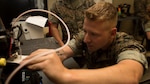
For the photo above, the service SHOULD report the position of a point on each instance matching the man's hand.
(50, 62)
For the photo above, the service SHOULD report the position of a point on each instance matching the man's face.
(96, 35)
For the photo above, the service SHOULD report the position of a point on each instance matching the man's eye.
(85, 31)
(93, 34)
(96, 35)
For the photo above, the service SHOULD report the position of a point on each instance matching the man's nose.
(86, 38)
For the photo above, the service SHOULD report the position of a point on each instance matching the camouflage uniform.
(140, 9)
(123, 47)
(71, 13)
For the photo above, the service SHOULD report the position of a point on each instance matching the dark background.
(10, 9)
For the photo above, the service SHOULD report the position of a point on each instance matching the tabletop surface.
(29, 46)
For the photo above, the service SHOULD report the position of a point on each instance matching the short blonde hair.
(102, 11)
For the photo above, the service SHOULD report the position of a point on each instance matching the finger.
(35, 60)
(37, 66)
(35, 53)
(45, 62)
(39, 51)
(40, 63)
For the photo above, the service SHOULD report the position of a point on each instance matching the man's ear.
(113, 31)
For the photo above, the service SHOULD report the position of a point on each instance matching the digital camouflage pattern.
(71, 13)
(142, 8)
(123, 43)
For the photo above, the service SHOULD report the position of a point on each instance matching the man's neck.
(108, 44)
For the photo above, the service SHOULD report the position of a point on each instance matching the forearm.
(117, 74)
(56, 34)
(65, 53)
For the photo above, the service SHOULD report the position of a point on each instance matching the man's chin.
(91, 50)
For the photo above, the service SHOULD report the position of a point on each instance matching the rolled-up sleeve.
(76, 44)
(133, 55)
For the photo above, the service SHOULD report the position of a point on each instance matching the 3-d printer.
(9, 51)
(9, 46)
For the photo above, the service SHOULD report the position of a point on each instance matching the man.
(142, 9)
(111, 57)
(72, 12)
